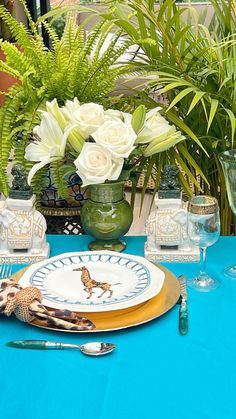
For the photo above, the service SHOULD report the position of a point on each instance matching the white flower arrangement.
(106, 144)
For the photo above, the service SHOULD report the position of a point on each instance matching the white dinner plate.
(109, 281)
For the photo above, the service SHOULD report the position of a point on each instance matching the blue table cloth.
(154, 373)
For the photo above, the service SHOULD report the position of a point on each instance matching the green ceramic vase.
(107, 216)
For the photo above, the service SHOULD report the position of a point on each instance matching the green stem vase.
(107, 216)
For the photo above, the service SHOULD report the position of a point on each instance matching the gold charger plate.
(128, 317)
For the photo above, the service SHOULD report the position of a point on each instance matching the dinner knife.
(183, 310)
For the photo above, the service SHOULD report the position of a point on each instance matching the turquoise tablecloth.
(154, 373)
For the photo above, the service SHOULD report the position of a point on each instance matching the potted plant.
(106, 147)
(192, 65)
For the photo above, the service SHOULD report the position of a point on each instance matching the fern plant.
(73, 67)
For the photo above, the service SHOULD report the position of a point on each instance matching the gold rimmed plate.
(129, 317)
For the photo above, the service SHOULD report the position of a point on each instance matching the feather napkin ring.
(25, 303)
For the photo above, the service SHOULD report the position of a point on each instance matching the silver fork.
(5, 270)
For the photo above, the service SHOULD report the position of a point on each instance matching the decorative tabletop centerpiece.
(106, 147)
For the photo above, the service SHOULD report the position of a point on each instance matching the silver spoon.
(91, 348)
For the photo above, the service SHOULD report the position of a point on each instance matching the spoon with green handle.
(91, 348)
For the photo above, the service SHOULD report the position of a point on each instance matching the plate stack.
(114, 291)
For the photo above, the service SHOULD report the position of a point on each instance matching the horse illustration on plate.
(90, 283)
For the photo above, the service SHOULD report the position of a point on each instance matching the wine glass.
(228, 162)
(203, 231)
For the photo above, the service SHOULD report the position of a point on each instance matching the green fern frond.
(31, 23)
(59, 179)
(19, 32)
(37, 182)
(52, 34)
(16, 63)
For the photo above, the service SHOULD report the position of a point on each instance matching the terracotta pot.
(6, 80)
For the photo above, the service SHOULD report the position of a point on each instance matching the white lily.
(50, 146)
(164, 142)
(155, 125)
(54, 110)
(62, 116)
(70, 108)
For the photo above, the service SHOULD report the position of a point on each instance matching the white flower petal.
(116, 137)
(117, 167)
(94, 164)
(38, 166)
(33, 152)
(49, 129)
(154, 126)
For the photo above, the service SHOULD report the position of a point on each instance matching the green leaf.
(196, 98)
(129, 28)
(185, 184)
(177, 121)
(180, 96)
(214, 106)
(170, 86)
(204, 108)
(233, 124)
(183, 150)
(185, 168)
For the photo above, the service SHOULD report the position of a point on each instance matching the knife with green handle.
(183, 310)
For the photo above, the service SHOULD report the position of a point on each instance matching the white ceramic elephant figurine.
(166, 225)
(6, 216)
(167, 233)
(22, 229)
(181, 217)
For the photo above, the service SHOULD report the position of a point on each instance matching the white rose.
(113, 114)
(155, 125)
(95, 165)
(89, 117)
(117, 137)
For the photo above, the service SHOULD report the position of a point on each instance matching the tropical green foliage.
(5, 33)
(73, 67)
(193, 65)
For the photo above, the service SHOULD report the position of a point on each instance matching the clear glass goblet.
(228, 162)
(204, 231)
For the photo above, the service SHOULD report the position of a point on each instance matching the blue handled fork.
(5, 271)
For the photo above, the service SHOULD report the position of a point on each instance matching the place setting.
(113, 291)
(91, 292)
